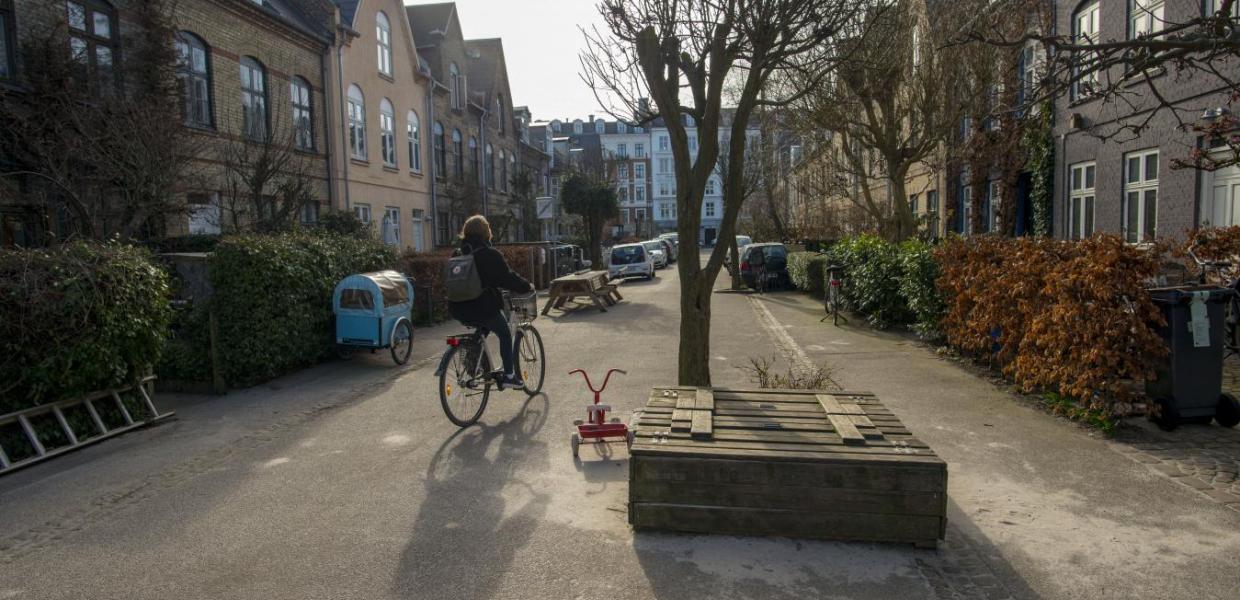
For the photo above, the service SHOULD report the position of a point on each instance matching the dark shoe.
(511, 382)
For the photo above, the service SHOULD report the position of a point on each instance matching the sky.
(542, 44)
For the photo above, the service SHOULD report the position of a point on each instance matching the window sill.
(386, 77)
(417, 174)
(359, 161)
(307, 151)
(391, 169)
(1135, 78)
(203, 129)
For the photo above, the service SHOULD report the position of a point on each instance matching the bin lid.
(1185, 293)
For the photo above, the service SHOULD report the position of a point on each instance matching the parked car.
(775, 256)
(742, 241)
(669, 248)
(658, 254)
(630, 260)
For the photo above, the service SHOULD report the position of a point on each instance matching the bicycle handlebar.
(605, 379)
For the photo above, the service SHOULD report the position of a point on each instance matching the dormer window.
(383, 36)
(600, 126)
(454, 82)
(577, 126)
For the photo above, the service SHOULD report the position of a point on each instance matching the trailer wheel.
(1228, 412)
(575, 442)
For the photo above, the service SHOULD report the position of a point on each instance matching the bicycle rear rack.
(36, 450)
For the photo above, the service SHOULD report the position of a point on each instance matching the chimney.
(591, 120)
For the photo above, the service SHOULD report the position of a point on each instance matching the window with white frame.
(577, 126)
(458, 154)
(193, 69)
(622, 150)
(303, 114)
(310, 212)
(203, 212)
(639, 193)
(665, 189)
(966, 201)
(663, 143)
(92, 35)
(443, 229)
(1141, 196)
(693, 143)
(503, 170)
(1081, 200)
(473, 158)
(710, 186)
(1031, 65)
(391, 226)
(419, 224)
(622, 172)
(363, 212)
(623, 194)
(490, 167)
(600, 126)
(621, 127)
(1085, 24)
(932, 210)
(439, 148)
(639, 215)
(413, 129)
(253, 99)
(709, 208)
(1145, 17)
(639, 151)
(912, 203)
(665, 165)
(383, 37)
(387, 132)
(665, 211)
(357, 123)
(639, 171)
(994, 199)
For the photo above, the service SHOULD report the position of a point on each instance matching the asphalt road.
(346, 481)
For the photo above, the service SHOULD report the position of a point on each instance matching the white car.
(658, 252)
(630, 260)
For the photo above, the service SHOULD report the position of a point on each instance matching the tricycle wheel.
(1228, 412)
(575, 442)
(1168, 416)
(629, 436)
(344, 352)
(402, 341)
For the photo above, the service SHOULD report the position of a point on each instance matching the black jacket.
(495, 275)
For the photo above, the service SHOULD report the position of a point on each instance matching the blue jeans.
(497, 325)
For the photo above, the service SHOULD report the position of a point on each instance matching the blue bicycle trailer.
(374, 311)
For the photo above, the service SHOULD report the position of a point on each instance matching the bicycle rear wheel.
(462, 400)
(531, 359)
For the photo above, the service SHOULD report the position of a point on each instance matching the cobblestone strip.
(958, 571)
(22, 543)
(1206, 461)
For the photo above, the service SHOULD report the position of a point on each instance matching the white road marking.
(779, 335)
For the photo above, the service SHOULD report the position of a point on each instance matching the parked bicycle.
(833, 298)
(1231, 311)
(466, 373)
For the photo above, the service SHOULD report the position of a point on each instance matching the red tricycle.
(596, 426)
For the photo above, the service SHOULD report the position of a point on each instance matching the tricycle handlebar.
(605, 379)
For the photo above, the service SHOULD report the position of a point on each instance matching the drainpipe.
(344, 127)
(430, 165)
(482, 134)
(327, 130)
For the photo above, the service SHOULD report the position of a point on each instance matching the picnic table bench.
(591, 284)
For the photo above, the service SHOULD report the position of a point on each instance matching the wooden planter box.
(830, 465)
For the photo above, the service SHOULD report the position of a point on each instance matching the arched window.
(357, 123)
(599, 126)
(441, 155)
(555, 126)
(473, 157)
(490, 167)
(577, 126)
(414, 129)
(92, 35)
(503, 170)
(303, 113)
(253, 99)
(499, 112)
(458, 153)
(383, 36)
(454, 80)
(387, 132)
(194, 72)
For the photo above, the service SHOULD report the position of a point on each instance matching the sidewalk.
(1066, 510)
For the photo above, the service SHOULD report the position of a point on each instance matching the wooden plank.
(799, 497)
(672, 445)
(705, 399)
(686, 401)
(701, 426)
(682, 419)
(847, 430)
(790, 440)
(913, 529)
(832, 406)
(922, 476)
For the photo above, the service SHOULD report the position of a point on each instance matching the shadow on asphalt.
(690, 566)
(476, 511)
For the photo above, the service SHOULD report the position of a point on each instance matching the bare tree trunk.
(737, 282)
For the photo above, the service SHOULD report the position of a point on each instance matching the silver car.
(657, 251)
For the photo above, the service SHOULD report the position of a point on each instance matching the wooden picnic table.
(591, 284)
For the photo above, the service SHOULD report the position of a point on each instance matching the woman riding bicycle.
(486, 311)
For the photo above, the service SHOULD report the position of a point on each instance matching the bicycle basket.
(524, 307)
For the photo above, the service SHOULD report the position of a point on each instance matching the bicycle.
(465, 371)
(1231, 312)
(833, 299)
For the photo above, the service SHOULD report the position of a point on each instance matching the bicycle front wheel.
(531, 359)
(462, 394)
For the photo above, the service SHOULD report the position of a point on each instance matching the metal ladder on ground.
(101, 431)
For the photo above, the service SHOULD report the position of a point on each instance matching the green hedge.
(872, 274)
(918, 273)
(273, 294)
(807, 272)
(77, 318)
